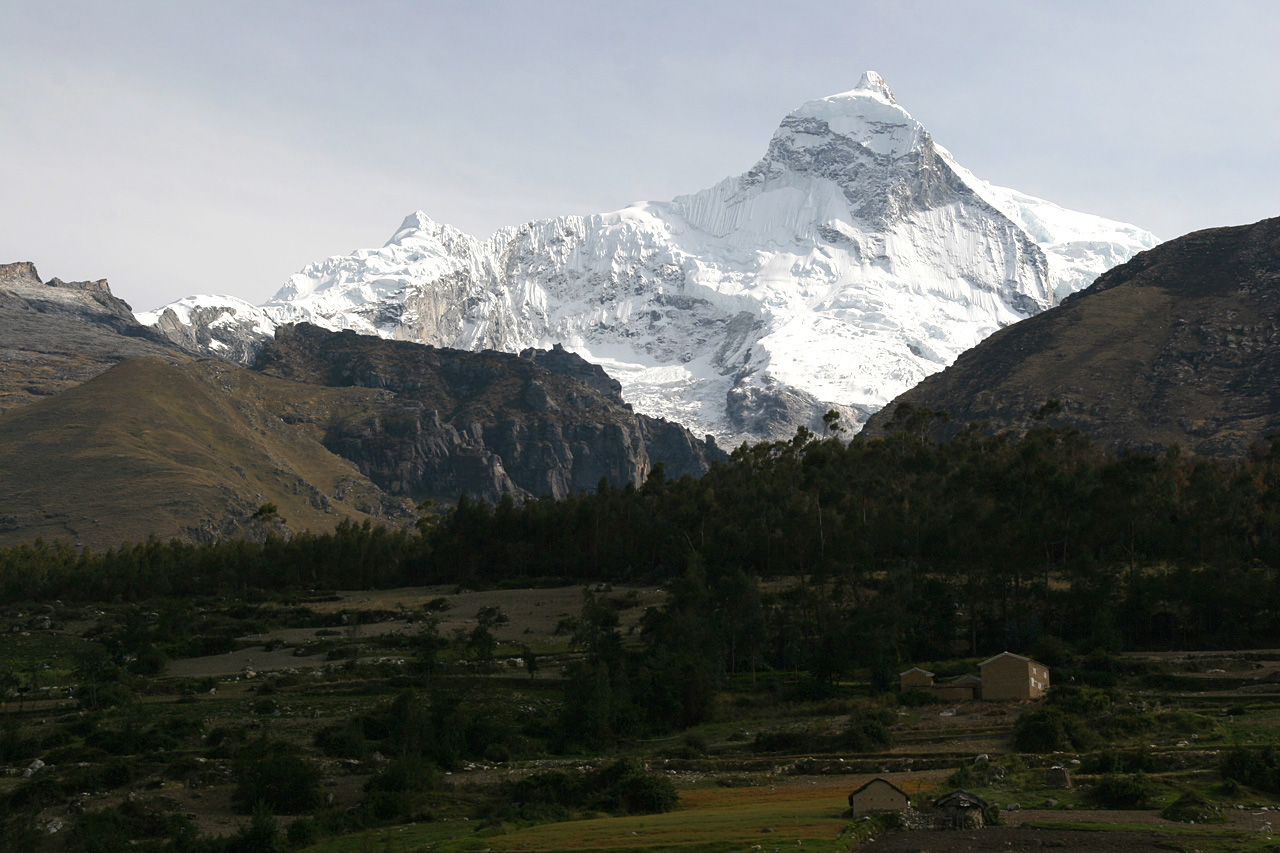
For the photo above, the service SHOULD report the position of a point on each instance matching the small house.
(915, 679)
(960, 810)
(878, 795)
(961, 687)
(1010, 676)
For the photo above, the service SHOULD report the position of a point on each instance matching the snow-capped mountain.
(856, 258)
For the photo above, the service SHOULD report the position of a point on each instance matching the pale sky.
(217, 147)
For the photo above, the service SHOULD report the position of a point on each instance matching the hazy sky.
(216, 147)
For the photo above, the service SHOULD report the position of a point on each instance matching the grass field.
(804, 813)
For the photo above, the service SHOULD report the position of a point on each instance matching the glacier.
(854, 259)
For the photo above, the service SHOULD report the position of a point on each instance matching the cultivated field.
(767, 773)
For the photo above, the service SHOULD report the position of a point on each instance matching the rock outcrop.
(485, 423)
(58, 334)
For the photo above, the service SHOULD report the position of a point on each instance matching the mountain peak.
(416, 221)
(873, 82)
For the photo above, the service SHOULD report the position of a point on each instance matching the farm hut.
(879, 795)
(960, 810)
(915, 679)
(1010, 676)
(962, 687)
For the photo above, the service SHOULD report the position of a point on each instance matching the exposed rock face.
(1179, 346)
(211, 329)
(486, 423)
(58, 334)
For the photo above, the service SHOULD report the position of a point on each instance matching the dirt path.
(1005, 838)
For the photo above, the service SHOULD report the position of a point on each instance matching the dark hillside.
(485, 423)
(1181, 345)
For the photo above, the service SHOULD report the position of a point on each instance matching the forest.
(907, 548)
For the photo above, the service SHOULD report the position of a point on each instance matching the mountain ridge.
(855, 258)
(1179, 346)
(115, 434)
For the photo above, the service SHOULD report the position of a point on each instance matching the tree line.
(904, 548)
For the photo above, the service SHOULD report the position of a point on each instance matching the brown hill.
(1179, 346)
(190, 450)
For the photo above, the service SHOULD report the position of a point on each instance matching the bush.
(343, 740)
(621, 787)
(867, 731)
(303, 832)
(1193, 808)
(697, 743)
(1083, 701)
(646, 794)
(260, 835)
(1258, 769)
(15, 746)
(1051, 651)
(274, 773)
(1123, 792)
(1051, 730)
(1110, 761)
(915, 698)
(409, 775)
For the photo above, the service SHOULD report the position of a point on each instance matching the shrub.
(1256, 768)
(915, 698)
(15, 746)
(1110, 761)
(785, 741)
(1051, 651)
(274, 773)
(260, 835)
(303, 832)
(1084, 701)
(1192, 808)
(408, 775)
(647, 794)
(697, 743)
(343, 740)
(1051, 730)
(620, 787)
(867, 731)
(1123, 792)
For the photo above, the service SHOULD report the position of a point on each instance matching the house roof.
(964, 681)
(882, 781)
(915, 669)
(961, 798)
(1011, 655)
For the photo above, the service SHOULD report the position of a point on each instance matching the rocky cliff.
(485, 423)
(57, 334)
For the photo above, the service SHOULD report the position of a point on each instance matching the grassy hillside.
(193, 450)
